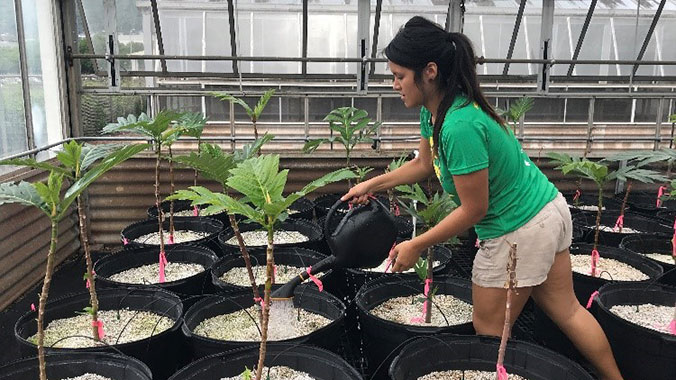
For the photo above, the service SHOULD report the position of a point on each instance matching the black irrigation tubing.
(433, 303)
(152, 333)
(651, 284)
(606, 272)
(86, 337)
(243, 309)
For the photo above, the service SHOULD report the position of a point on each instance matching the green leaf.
(335, 176)
(23, 193)
(70, 155)
(520, 107)
(259, 179)
(211, 161)
(262, 102)
(312, 145)
(420, 268)
(250, 150)
(31, 163)
(92, 175)
(229, 98)
(92, 153)
(192, 124)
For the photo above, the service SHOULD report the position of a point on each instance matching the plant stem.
(199, 150)
(43, 297)
(255, 128)
(624, 201)
(430, 277)
(511, 284)
(84, 239)
(247, 262)
(171, 191)
(598, 218)
(266, 305)
(160, 213)
(347, 165)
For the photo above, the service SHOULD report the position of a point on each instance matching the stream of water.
(283, 322)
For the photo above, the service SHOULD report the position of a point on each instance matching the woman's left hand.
(406, 254)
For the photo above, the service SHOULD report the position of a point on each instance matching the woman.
(499, 191)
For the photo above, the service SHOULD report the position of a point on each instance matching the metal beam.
(305, 35)
(583, 33)
(515, 33)
(455, 16)
(546, 33)
(158, 33)
(363, 21)
(110, 15)
(73, 72)
(376, 34)
(25, 85)
(649, 35)
(233, 35)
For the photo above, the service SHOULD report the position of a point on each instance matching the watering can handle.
(329, 215)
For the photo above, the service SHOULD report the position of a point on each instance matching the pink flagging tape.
(32, 307)
(591, 299)
(397, 212)
(502, 372)
(88, 284)
(259, 299)
(619, 223)
(125, 241)
(99, 325)
(314, 279)
(163, 263)
(660, 193)
(389, 264)
(171, 239)
(417, 320)
(577, 195)
(195, 211)
(389, 259)
(477, 243)
(594, 262)
(672, 327)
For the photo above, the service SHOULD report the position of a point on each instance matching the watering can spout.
(362, 239)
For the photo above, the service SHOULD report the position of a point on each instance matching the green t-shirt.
(470, 141)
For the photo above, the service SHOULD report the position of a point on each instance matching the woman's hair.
(420, 42)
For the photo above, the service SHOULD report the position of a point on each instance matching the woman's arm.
(414, 171)
(473, 193)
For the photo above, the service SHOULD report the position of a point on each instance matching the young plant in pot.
(261, 183)
(163, 130)
(50, 198)
(352, 127)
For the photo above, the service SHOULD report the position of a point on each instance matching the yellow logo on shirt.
(435, 159)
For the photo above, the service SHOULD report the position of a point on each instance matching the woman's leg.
(489, 308)
(556, 297)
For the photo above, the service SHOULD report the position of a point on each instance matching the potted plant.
(49, 198)
(261, 183)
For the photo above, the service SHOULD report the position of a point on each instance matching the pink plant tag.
(591, 299)
(88, 284)
(163, 263)
(314, 279)
(672, 327)
(660, 193)
(171, 239)
(619, 224)
(502, 372)
(426, 292)
(397, 212)
(577, 195)
(594, 262)
(32, 307)
(99, 325)
(477, 243)
(195, 211)
(125, 241)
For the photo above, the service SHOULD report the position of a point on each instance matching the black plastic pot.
(297, 257)
(667, 217)
(447, 352)
(181, 205)
(646, 203)
(186, 288)
(653, 244)
(304, 208)
(641, 353)
(318, 363)
(591, 198)
(382, 338)
(202, 224)
(324, 202)
(306, 297)
(305, 227)
(161, 352)
(62, 366)
(646, 226)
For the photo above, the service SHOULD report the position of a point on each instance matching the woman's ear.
(431, 71)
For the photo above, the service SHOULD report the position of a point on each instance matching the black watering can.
(362, 239)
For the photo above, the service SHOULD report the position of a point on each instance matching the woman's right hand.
(358, 194)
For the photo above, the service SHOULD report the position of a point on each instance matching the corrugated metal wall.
(24, 242)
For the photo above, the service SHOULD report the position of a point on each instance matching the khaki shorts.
(548, 232)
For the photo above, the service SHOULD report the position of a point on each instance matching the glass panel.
(646, 110)
(577, 110)
(12, 120)
(544, 109)
(97, 110)
(218, 25)
(181, 103)
(182, 35)
(217, 110)
(320, 107)
(270, 113)
(292, 109)
(129, 32)
(609, 110)
(370, 105)
(395, 110)
(342, 41)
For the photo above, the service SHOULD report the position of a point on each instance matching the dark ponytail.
(420, 42)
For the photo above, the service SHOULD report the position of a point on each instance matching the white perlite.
(150, 274)
(625, 230)
(131, 326)
(260, 238)
(180, 236)
(88, 376)
(616, 270)
(403, 309)
(662, 257)
(240, 277)
(240, 327)
(278, 373)
(654, 317)
(381, 268)
(188, 212)
(587, 208)
(465, 375)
